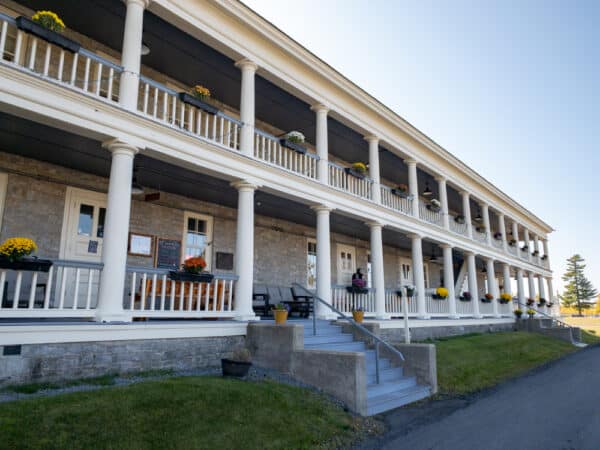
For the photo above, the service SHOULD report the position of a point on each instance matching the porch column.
(449, 279)
(492, 286)
(413, 185)
(322, 143)
(545, 244)
(374, 166)
(485, 211)
(244, 250)
(527, 243)
(377, 269)
(248, 69)
(472, 281)
(417, 259)
(551, 295)
(467, 213)
(116, 230)
(521, 290)
(531, 281)
(131, 53)
(515, 232)
(536, 247)
(542, 288)
(502, 230)
(444, 201)
(506, 278)
(323, 261)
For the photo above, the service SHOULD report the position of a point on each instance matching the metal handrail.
(564, 324)
(352, 322)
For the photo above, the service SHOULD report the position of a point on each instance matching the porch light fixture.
(145, 49)
(136, 188)
(427, 192)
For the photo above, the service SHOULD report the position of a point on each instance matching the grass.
(32, 388)
(470, 363)
(179, 413)
(590, 328)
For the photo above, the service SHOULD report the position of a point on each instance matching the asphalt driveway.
(557, 407)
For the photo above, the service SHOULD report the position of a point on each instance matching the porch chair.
(260, 299)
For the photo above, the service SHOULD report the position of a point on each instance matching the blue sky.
(511, 88)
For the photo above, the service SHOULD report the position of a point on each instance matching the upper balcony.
(177, 61)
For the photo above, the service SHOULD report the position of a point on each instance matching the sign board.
(168, 254)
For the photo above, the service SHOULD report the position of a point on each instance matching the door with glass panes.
(197, 237)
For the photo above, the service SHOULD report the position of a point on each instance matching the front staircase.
(394, 389)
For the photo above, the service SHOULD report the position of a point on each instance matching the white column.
(531, 281)
(521, 290)
(502, 230)
(551, 296)
(472, 281)
(515, 231)
(417, 260)
(536, 247)
(377, 270)
(323, 261)
(444, 201)
(413, 185)
(449, 279)
(322, 144)
(247, 109)
(131, 53)
(545, 244)
(506, 278)
(374, 166)
(467, 213)
(527, 243)
(116, 231)
(492, 286)
(244, 250)
(542, 287)
(485, 212)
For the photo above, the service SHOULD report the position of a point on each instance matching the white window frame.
(308, 285)
(209, 235)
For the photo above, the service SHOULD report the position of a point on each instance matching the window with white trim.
(197, 237)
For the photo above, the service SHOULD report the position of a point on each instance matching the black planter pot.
(400, 193)
(438, 297)
(485, 300)
(238, 369)
(30, 263)
(503, 302)
(433, 208)
(200, 104)
(203, 277)
(355, 173)
(356, 290)
(28, 25)
(298, 148)
(462, 299)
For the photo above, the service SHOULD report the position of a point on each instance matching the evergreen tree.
(578, 289)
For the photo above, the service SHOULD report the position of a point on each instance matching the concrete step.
(390, 387)
(338, 347)
(327, 338)
(388, 374)
(385, 402)
(384, 363)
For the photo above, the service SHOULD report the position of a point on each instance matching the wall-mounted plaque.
(224, 261)
(168, 254)
(140, 244)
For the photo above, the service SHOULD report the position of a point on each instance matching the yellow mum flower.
(442, 292)
(200, 91)
(49, 20)
(15, 248)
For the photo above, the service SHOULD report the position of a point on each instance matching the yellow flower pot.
(280, 316)
(358, 316)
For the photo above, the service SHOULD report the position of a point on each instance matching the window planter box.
(409, 293)
(298, 148)
(502, 301)
(200, 104)
(498, 236)
(463, 299)
(438, 297)
(28, 25)
(400, 193)
(203, 277)
(356, 290)
(237, 369)
(433, 208)
(460, 219)
(31, 264)
(355, 173)
(486, 300)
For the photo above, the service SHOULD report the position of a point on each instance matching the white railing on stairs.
(267, 148)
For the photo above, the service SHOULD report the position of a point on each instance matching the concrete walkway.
(554, 408)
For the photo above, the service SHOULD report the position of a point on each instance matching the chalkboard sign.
(168, 254)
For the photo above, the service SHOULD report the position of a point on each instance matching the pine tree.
(578, 289)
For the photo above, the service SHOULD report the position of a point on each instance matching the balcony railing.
(479, 236)
(394, 201)
(458, 228)
(345, 301)
(464, 308)
(268, 149)
(339, 178)
(497, 243)
(429, 215)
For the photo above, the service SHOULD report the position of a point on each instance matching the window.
(86, 220)
(197, 237)
(311, 264)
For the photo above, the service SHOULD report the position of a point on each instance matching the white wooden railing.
(391, 200)
(486, 309)
(268, 149)
(82, 71)
(506, 309)
(512, 250)
(68, 289)
(153, 294)
(346, 301)
(339, 179)
(497, 243)
(458, 228)
(480, 236)
(393, 303)
(464, 308)
(437, 307)
(428, 215)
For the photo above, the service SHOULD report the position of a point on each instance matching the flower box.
(544, 257)
(502, 301)
(400, 193)
(355, 173)
(433, 208)
(298, 148)
(28, 263)
(28, 25)
(203, 277)
(498, 236)
(438, 297)
(524, 248)
(200, 104)
(356, 290)
(460, 219)
(486, 300)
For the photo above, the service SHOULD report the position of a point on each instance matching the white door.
(197, 237)
(346, 263)
(406, 275)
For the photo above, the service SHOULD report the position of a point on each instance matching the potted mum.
(280, 312)
(505, 297)
(525, 248)
(441, 293)
(487, 298)
(192, 269)
(199, 97)
(401, 191)
(530, 302)
(358, 286)
(518, 313)
(410, 292)
(239, 364)
(460, 219)
(544, 257)
(47, 26)
(358, 170)
(465, 297)
(535, 253)
(512, 242)
(434, 205)
(294, 140)
(531, 313)
(14, 254)
(358, 314)
(541, 302)
(498, 236)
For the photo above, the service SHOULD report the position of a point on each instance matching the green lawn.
(590, 328)
(473, 362)
(179, 413)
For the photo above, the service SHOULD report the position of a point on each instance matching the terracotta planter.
(358, 316)
(280, 316)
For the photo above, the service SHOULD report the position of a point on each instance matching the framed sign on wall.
(168, 254)
(140, 244)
